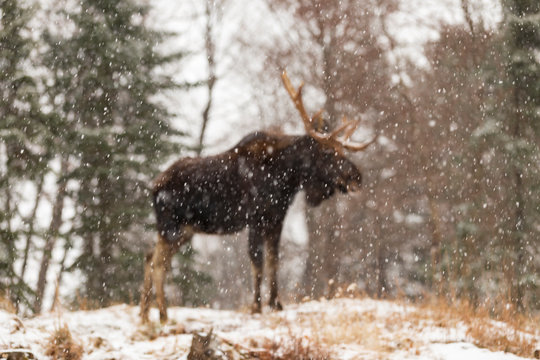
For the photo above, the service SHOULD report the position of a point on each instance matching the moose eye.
(329, 152)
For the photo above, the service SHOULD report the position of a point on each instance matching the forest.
(99, 96)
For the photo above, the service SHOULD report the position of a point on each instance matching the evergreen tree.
(23, 132)
(195, 287)
(115, 135)
(522, 40)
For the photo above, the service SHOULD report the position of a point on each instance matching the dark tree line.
(90, 122)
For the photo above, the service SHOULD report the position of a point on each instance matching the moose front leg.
(272, 261)
(256, 256)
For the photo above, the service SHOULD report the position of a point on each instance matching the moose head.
(327, 168)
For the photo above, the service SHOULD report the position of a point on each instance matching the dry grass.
(299, 349)
(515, 333)
(487, 327)
(320, 332)
(6, 304)
(294, 347)
(288, 346)
(496, 329)
(361, 329)
(62, 346)
(486, 336)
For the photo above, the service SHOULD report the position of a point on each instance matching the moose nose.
(353, 187)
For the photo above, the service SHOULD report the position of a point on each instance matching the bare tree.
(52, 235)
(212, 15)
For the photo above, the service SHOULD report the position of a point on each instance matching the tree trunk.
(210, 56)
(380, 271)
(10, 246)
(323, 223)
(52, 235)
(31, 223)
(324, 247)
(59, 279)
(436, 241)
(106, 238)
(312, 281)
(515, 248)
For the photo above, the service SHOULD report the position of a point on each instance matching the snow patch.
(384, 329)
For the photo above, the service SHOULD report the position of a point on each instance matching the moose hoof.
(144, 315)
(275, 305)
(163, 318)
(256, 308)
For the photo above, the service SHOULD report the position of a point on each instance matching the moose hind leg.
(146, 292)
(161, 263)
(256, 257)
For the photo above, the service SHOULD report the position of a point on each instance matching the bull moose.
(250, 185)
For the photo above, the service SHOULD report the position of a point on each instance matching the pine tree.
(522, 40)
(116, 136)
(23, 134)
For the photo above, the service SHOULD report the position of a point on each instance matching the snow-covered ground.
(335, 329)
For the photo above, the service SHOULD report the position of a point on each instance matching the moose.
(249, 186)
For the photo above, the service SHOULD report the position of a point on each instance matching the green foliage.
(489, 83)
(522, 41)
(196, 286)
(116, 135)
(22, 136)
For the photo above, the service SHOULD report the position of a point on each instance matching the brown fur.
(250, 185)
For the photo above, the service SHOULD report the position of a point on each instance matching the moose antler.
(334, 139)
